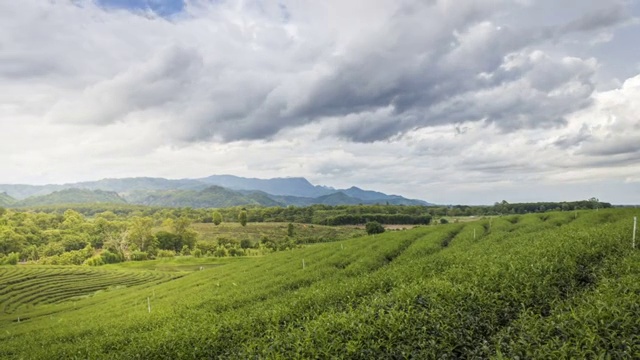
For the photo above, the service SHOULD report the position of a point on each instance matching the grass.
(530, 286)
(304, 233)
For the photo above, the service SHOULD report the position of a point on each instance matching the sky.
(448, 101)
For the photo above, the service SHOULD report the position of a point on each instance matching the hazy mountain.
(212, 191)
(20, 191)
(72, 196)
(6, 200)
(127, 185)
(121, 186)
(293, 186)
(369, 196)
(338, 198)
(211, 197)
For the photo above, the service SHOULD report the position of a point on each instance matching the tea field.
(551, 285)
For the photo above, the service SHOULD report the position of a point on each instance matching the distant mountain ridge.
(212, 191)
(72, 196)
(6, 200)
(293, 186)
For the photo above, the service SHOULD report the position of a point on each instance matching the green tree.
(10, 241)
(245, 243)
(374, 227)
(140, 232)
(290, 230)
(169, 241)
(72, 219)
(243, 218)
(217, 218)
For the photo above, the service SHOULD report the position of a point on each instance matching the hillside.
(553, 285)
(211, 197)
(6, 200)
(73, 196)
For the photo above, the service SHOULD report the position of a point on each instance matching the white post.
(303, 265)
(474, 234)
(149, 305)
(635, 223)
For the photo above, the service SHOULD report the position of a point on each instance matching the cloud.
(234, 71)
(614, 13)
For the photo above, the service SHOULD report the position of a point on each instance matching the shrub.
(166, 253)
(11, 259)
(109, 257)
(221, 252)
(374, 227)
(139, 256)
(236, 252)
(94, 261)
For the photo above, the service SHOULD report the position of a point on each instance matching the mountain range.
(212, 191)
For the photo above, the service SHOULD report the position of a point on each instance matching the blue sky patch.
(160, 7)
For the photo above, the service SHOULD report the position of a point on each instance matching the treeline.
(504, 208)
(72, 239)
(327, 214)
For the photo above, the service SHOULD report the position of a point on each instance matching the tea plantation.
(547, 286)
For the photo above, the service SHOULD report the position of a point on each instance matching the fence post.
(635, 223)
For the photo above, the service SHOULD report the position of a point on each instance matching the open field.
(552, 285)
(304, 233)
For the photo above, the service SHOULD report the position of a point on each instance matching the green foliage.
(221, 252)
(168, 241)
(166, 254)
(197, 253)
(11, 241)
(242, 218)
(290, 229)
(109, 257)
(245, 243)
(217, 218)
(444, 221)
(138, 256)
(11, 259)
(374, 227)
(140, 232)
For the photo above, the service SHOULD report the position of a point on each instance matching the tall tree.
(243, 218)
(140, 232)
(217, 218)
